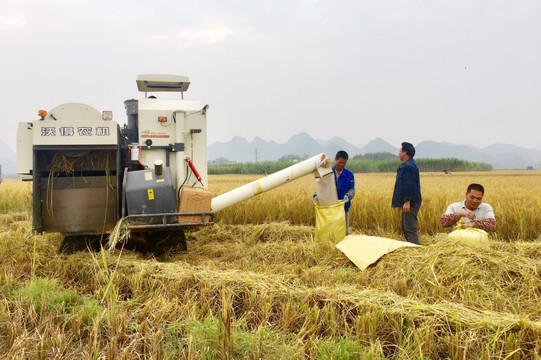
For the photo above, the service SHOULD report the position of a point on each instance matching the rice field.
(258, 286)
(514, 195)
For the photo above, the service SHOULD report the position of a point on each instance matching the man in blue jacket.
(345, 182)
(407, 192)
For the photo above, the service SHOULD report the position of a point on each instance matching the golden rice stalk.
(119, 235)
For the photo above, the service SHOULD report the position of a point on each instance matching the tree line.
(368, 163)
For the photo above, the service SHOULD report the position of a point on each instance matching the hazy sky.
(462, 71)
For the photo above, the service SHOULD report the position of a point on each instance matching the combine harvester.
(88, 172)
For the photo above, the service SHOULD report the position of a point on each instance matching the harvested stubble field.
(257, 285)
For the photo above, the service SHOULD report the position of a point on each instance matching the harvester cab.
(91, 175)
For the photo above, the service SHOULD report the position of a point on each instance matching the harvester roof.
(161, 82)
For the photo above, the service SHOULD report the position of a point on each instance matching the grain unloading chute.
(89, 173)
(320, 165)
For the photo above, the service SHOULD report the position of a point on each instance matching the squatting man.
(475, 213)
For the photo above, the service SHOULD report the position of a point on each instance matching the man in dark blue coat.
(407, 192)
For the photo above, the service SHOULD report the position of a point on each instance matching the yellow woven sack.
(470, 236)
(330, 222)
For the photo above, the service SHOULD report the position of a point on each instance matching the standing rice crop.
(514, 195)
(15, 196)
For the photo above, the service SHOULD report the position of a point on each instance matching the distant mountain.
(499, 149)
(519, 157)
(500, 156)
(300, 144)
(435, 150)
(240, 150)
(379, 145)
(236, 149)
(336, 143)
(7, 159)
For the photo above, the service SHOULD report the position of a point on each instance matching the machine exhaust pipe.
(158, 167)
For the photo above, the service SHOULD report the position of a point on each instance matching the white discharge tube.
(319, 165)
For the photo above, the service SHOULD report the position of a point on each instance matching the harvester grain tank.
(89, 173)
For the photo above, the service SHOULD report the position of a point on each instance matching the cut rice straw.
(119, 235)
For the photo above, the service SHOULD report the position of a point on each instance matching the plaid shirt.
(484, 216)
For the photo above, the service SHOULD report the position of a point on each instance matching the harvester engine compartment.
(149, 192)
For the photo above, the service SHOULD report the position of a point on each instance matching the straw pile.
(443, 300)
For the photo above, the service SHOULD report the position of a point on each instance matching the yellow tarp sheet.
(364, 250)
(330, 222)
